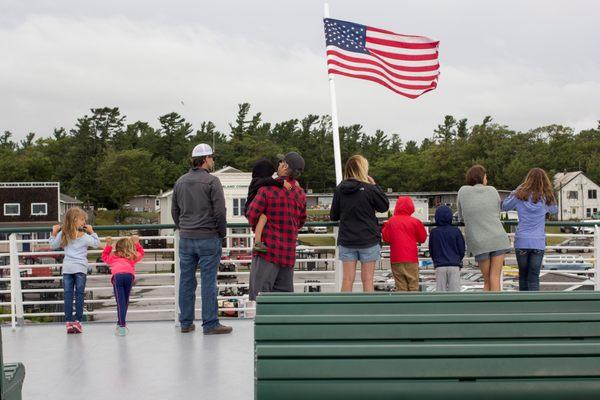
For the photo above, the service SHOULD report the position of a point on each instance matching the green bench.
(427, 346)
(11, 379)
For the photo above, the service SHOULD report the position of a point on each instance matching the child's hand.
(136, 239)
(108, 241)
(287, 185)
(55, 229)
(88, 228)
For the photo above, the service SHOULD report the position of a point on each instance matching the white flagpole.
(337, 157)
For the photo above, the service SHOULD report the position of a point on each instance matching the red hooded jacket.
(403, 232)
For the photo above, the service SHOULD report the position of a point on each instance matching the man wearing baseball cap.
(285, 210)
(198, 211)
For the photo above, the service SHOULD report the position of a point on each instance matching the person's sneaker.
(260, 247)
(186, 329)
(77, 328)
(219, 330)
(70, 327)
(121, 331)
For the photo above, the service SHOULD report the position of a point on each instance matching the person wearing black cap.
(285, 210)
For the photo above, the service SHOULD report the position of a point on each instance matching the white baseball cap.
(202, 149)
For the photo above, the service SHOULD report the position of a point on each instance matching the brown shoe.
(219, 330)
(186, 329)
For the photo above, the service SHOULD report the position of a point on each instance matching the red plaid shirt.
(286, 213)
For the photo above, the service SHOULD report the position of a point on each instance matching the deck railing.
(31, 280)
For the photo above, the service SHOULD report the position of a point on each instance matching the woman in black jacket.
(355, 202)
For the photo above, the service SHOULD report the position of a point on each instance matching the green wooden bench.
(11, 379)
(426, 346)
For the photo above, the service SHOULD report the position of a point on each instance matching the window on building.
(238, 207)
(12, 209)
(39, 208)
(592, 194)
(43, 235)
(588, 212)
(573, 210)
(572, 194)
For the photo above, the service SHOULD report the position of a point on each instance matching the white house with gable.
(577, 196)
(235, 188)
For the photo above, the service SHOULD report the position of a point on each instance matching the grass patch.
(317, 212)
(554, 240)
(317, 241)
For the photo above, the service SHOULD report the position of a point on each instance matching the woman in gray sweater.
(479, 209)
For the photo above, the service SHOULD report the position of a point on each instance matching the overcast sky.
(526, 63)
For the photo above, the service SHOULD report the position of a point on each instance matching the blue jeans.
(207, 254)
(74, 284)
(122, 286)
(530, 263)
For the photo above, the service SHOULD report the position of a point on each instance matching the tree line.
(105, 161)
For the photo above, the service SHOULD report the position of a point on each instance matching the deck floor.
(155, 361)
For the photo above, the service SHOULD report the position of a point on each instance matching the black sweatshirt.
(354, 205)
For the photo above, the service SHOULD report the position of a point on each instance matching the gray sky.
(526, 63)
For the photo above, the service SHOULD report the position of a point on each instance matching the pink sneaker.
(70, 327)
(77, 328)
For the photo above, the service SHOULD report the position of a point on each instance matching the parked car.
(102, 268)
(384, 283)
(575, 241)
(43, 252)
(319, 229)
(568, 229)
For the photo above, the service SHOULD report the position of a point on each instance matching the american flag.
(407, 65)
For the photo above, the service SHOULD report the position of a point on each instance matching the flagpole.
(337, 157)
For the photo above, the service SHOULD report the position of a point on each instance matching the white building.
(235, 188)
(577, 196)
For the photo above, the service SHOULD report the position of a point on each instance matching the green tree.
(127, 173)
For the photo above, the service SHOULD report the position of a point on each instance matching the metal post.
(16, 295)
(597, 258)
(334, 122)
(337, 263)
(176, 271)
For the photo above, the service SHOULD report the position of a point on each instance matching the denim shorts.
(365, 254)
(487, 256)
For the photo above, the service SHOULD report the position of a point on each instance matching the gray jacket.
(479, 209)
(198, 207)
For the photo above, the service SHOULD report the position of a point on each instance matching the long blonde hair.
(536, 186)
(125, 248)
(69, 228)
(357, 167)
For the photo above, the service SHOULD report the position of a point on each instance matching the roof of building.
(229, 170)
(29, 184)
(561, 179)
(65, 198)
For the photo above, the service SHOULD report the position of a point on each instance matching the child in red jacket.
(128, 252)
(403, 232)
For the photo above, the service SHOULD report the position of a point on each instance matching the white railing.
(34, 291)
